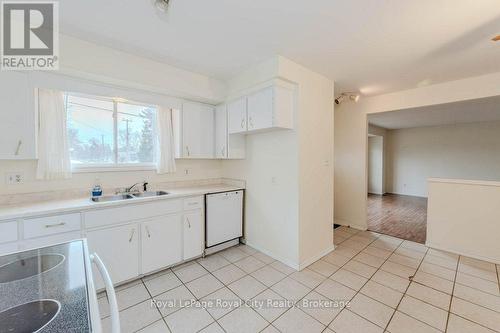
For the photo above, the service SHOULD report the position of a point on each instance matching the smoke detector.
(161, 5)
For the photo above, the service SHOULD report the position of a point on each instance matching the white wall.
(90, 68)
(289, 173)
(463, 216)
(376, 165)
(462, 151)
(351, 172)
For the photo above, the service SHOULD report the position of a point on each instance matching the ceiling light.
(161, 5)
(351, 96)
(496, 38)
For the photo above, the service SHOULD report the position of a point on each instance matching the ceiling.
(471, 111)
(371, 46)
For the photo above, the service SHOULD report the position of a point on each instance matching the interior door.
(260, 109)
(118, 247)
(198, 130)
(237, 115)
(161, 242)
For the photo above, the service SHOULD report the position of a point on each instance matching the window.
(105, 132)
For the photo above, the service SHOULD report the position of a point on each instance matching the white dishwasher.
(224, 217)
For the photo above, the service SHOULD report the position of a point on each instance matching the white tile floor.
(389, 285)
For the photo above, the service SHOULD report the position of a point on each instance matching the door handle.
(189, 223)
(131, 236)
(147, 231)
(242, 123)
(223, 151)
(18, 147)
(55, 225)
(187, 150)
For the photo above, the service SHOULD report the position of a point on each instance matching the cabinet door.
(197, 130)
(260, 109)
(118, 247)
(193, 234)
(161, 242)
(237, 115)
(17, 114)
(221, 131)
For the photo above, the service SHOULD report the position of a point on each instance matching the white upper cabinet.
(221, 131)
(227, 146)
(268, 108)
(237, 115)
(260, 109)
(196, 126)
(17, 114)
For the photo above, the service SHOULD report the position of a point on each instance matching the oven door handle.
(110, 291)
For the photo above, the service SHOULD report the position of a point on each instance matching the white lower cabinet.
(118, 247)
(161, 242)
(193, 234)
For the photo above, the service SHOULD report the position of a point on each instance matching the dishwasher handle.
(110, 291)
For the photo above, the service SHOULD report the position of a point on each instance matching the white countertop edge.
(15, 212)
(464, 181)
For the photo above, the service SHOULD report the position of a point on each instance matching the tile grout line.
(404, 293)
(452, 293)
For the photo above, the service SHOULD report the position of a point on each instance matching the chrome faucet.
(144, 187)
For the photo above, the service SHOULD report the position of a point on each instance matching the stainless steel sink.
(108, 198)
(149, 194)
(29, 317)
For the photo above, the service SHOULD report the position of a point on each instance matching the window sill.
(113, 168)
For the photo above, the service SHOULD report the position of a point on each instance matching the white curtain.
(166, 147)
(53, 151)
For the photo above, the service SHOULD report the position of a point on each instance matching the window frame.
(113, 167)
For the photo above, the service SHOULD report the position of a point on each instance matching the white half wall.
(461, 151)
(463, 216)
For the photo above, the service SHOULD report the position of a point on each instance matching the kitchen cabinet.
(267, 108)
(8, 232)
(196, 126)
(237, 115)
(161, 242)
(17, 112)
(227, 146)
(118, 247)
(193, 234)
(260, 109)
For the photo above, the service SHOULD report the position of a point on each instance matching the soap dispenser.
(97, 190)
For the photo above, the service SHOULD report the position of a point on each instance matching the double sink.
(128, 196)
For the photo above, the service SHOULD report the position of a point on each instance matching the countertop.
(13, 212)
(65, 283)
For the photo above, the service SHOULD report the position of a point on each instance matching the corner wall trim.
(315, 258)
(287, 262)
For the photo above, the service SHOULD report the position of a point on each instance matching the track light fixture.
(161, 5)
(347, 96)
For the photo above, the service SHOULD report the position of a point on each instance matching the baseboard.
(408, 195)
(461, 252)
(287, 262)
(315, 258)
(346, 223)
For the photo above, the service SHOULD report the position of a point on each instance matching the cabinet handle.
(187, 150)
(147, 231)
(18, 147)
(131, 236)
(242, 123)
(189, 223)
(250, 122)
(55, 225)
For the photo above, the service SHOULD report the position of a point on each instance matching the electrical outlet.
(187, 171)
(14, 178)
